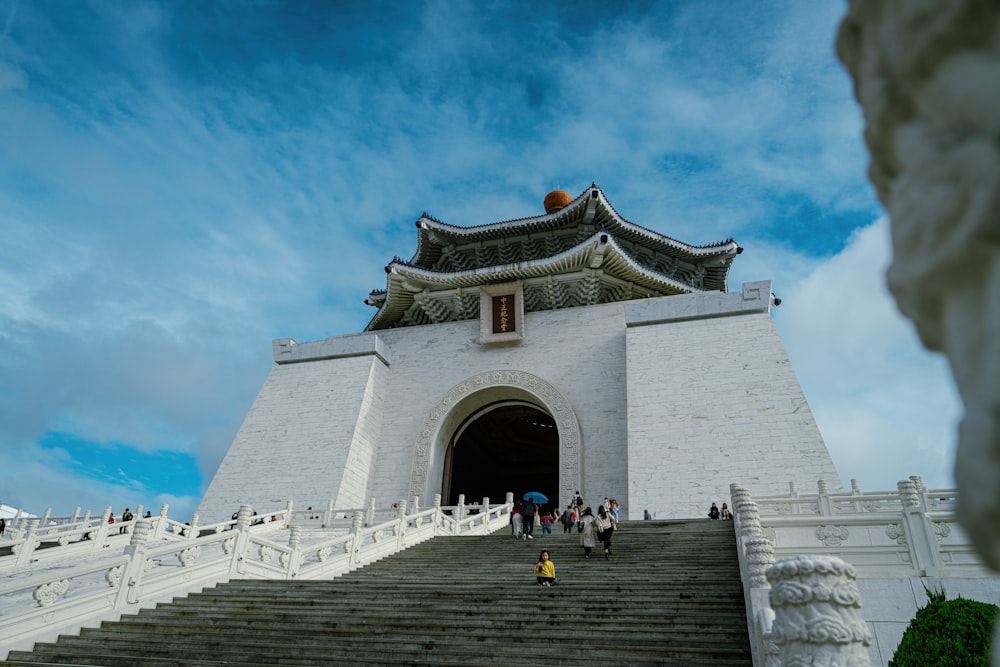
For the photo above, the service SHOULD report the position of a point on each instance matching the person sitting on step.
(545, 569)
(725, 513)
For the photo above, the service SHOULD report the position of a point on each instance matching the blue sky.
(181, 182)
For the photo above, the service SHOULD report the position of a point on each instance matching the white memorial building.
(564, 352)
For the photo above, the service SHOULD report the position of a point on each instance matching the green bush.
(947, 633)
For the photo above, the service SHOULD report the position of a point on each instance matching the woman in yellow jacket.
(545, 569)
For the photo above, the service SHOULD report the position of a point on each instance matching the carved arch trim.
(430, 440)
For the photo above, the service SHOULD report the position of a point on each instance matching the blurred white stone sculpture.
(817, 613)
(927, 75)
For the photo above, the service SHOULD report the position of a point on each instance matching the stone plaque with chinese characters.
(501, 312)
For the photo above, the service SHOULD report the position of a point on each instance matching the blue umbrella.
(536, 497)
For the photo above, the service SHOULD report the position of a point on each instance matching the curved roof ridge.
(565, 254)
(652, 234)
(598, 238)
(500, 223)
(645, 270)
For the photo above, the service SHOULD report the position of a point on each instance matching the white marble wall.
(306, 424)
(713, 397)
(695, 388)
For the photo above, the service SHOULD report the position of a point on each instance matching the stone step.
(511, 651)
(364, 634)
(679, 627)
(670, 595)
(724, 624)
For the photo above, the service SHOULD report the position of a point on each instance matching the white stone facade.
(660, 403)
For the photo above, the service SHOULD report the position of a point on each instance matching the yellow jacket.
(546, 569)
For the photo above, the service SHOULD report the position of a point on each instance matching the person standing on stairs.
(568, 519)
(545, 569)
(586, 527)
(547, 522)
(528, 518)
(605, 526)
(516, 521)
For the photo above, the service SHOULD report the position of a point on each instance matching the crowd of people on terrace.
(592, 528)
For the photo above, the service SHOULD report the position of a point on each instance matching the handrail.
(885, 535)
(158, 562)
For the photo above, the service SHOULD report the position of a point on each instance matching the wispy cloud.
(182, 182)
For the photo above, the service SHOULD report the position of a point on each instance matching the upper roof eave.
(427, 224)
(572, 259)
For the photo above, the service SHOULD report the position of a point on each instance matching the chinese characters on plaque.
(503, 313)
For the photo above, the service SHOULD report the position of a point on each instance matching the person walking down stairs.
(516, 521)
(605, 526)
(528, 518)
(587, 531)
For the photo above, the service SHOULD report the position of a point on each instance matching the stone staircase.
(669, 595)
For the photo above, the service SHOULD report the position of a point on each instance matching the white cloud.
(887, 407)
(169, 208)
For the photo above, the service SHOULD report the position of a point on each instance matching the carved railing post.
(817, 613)
(101, 534)
(242, 539)
(357, 524)
(89, 532)
(793, 492)
(401, 524)
(823, 499)
(289, 507)
(438, 515)
(17, 526)
(460, 510)
(918, 483)
(28, 546)
(756, 554)
(485, 514)
(370, 520)
(131, 579)
(858, 505)
(160, 523)
(328, 516)
(191, 531)
(918, 532)
(760, 556)
(76, 515)
(295, 557)
(416, 510)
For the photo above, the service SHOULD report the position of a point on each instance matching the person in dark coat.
(528, 518)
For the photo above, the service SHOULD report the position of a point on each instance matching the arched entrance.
(506, 446)
(475, 397)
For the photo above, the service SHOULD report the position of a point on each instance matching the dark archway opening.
(512, 447)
